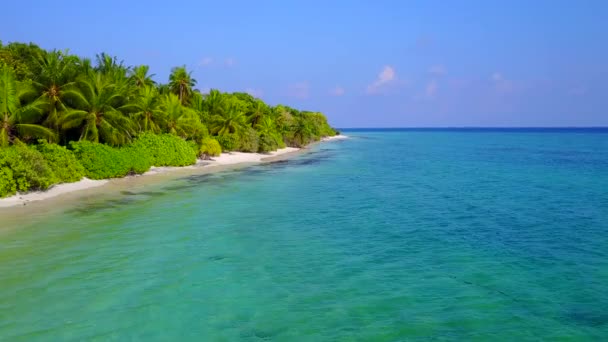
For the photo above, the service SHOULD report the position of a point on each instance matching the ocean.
(390, 235)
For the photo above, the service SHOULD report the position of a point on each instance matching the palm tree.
(139, 76)
(58, 70)
(146, 110)
(199, 105)
(18, 119)
(214, 104)
(266, 127)
(301, 132)
(180, 120)
(96, 115)
(116, 72)
(233, 120)
(107, 64)
(181, 83)
(257, 111)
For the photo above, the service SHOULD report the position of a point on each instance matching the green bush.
(210, 148)
(62, 161)
(101, 161)
(228, 142)
(248, 141)
(166, 149)
(138, 159)
(267, 144)
(29, 169)
(8, 186)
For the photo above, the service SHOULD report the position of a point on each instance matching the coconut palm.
(97, 100)
(18, 119)
(215, 102)
(107, 64)
(180, 120)
(181, 83)
(258, 110)
(301, 132)
(139, 76)
(233, 120)
(199, 105)
(57, 72)
(266, 127)
(145, 110)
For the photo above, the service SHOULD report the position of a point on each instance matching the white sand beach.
(241, 157)
(215, 163)
(335, 137)
(55, 190)
(225, 159)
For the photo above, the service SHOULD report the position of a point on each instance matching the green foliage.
(228, 141)
(29, 169)
(210, 148)
(181, 83)
(21, 58)
(270, 138)
(248, 141)
(101, 161)
(62, 162)
(92, 106)
(267, 144)
(166, 149)
(8, 186)
(137, 158)
(18, 120)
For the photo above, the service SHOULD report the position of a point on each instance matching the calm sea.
(390, 235)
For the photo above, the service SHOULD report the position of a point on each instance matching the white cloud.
(385, 77)
(205, 61)
(337, 91)
(254, 92)
(437, 70)
(300, 90)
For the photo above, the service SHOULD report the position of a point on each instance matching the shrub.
(248, 141)
(29, 169)
(267, 144)
(166, 149)
(137, 158)
(8, 186)
(62, 161)
(101, 161)
(228, 142)
(209, 148)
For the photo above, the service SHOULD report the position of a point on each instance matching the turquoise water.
(445, 235)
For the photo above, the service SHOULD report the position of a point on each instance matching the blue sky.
(362, 63)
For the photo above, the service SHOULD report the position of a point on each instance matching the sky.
(362, 63)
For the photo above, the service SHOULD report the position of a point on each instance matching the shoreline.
(223, 162)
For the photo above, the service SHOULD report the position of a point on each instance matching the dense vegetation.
(63, 117)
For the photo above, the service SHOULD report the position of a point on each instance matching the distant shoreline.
(216, 164)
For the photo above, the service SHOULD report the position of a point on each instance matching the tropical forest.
(63, 117)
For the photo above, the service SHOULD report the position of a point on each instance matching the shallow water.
(445, 235)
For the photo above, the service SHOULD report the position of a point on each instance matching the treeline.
(63, 117)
